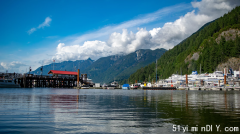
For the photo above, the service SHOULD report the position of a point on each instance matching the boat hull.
(125, 88)
(9, 86)
(84, 87)
(110, 87)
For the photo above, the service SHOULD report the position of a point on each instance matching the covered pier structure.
(59, 79)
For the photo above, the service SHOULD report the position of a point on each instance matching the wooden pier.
(29, 81)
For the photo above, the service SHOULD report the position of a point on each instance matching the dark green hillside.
(211, 45)
(106, 69)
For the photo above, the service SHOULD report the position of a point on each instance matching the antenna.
(53, 64)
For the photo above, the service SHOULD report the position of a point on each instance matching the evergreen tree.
(236, 48)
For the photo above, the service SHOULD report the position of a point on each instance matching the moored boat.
(8, 83)
(126, 86)
(104, 86)
(85, 87)
(115, 84)
(111, 87)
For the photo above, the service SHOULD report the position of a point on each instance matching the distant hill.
(212, 47)
(120, 67)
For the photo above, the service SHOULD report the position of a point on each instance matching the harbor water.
(59, 110)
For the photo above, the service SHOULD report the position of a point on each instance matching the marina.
(217, 81)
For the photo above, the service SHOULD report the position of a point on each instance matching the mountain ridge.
(183, 58)
(107, 69)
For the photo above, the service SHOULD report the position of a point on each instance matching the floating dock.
(159, 88)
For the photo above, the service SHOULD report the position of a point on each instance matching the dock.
(30, 80)
(159, 88)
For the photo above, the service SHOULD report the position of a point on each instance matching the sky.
(36, 32)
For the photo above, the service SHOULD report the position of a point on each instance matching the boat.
(111, 87)
(85, 87)
(104, 86)
(134, 86)
(8, 83)
(114, 83)
(126, 86)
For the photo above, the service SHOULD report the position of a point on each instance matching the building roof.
(62, 72)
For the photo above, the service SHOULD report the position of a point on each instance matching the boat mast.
(200, 68)
(156, 71)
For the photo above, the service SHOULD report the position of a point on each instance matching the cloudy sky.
(36, 32)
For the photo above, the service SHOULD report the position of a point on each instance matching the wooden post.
(225, 82)
(78, 78)
(30, 82)
(186, 80)
(24, 81)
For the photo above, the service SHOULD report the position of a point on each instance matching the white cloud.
(145, 19)
(215, 8)
(162, 37)
(31, 30)
(44, 24)
(174, 32)
(12, 66)
(154, 31)
(93, 49)
(1, 68)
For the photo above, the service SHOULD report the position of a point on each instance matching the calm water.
(49, 110)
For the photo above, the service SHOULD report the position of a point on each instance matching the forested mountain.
(213, 44)
(118, 67)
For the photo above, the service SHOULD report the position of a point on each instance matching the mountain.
(66, 65)
(120, 67)
(213, 47)
(106, 69)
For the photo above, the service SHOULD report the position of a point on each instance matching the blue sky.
(39, 31)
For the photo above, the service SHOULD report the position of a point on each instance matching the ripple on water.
(49, 110)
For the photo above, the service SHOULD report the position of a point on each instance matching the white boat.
(111, 87)
(85, 87)
(114, 83)
(8, 83)
(104, 86)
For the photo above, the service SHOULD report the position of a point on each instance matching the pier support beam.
(225, 82)
(186, 80)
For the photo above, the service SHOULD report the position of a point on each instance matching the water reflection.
(114, 111)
